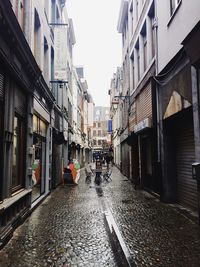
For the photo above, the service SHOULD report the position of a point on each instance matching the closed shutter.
(125, 159)
(185, 156)
(144, 104)
(1, 85)
(135, 161)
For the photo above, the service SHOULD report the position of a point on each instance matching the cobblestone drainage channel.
(119, 247)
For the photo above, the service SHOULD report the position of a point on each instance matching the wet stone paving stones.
(67, 229)
(155, 233)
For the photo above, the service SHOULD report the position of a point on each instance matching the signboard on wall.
(109, 126)
(146, 123)
(60, 53)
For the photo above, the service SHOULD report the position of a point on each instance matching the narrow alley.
(69, 229)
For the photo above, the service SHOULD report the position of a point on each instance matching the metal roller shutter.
(185, 156)
(1, 85)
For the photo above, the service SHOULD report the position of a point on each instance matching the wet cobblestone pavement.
(68, 229)
(155, 233)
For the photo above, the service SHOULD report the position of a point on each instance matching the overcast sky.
(98, 44)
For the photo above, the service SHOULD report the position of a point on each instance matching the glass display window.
(18, 159)
(39, 157)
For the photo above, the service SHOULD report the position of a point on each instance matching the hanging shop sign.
(60, 49)
(109, 126)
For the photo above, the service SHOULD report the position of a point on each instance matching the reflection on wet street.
(68, 229)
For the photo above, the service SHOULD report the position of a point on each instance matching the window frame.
(20, 161)
(173, 12)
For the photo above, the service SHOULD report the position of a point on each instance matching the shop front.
(125, 154)
(1, 128)
(178, 140)
(39, 157)
(41, 149)
(57, 149)
(144, 139)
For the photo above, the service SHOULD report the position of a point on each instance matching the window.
(145, 51)
(21, 13)
(136, 10)
(39, 156)
(198, 81)
(46, 8)
(18, 153)
(131, 18)
(37, 38)
(94, 133)
(99, 132)
(133, 71)
(173, 5)
(1, 145)
(99, 142)
(1, 128)
(53, 11)
(46, 61)
(94, 142)
(138, 63)
(52, 63)
(99, 125)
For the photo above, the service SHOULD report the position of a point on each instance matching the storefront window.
(43, 128)
(39, 156)
(1, 146)
(1, 129)
(18, 154)
(198, 81)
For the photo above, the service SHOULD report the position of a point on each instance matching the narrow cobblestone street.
(68, 229)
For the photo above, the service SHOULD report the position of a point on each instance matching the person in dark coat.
(67, 176)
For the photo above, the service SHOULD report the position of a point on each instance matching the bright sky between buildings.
(98, 44)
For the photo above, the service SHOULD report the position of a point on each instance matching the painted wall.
(172, 33)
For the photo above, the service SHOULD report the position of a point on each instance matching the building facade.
(21, 86)
(101, 137)
(137, 24)
(162, 71)
(37, 105)
(178, 90)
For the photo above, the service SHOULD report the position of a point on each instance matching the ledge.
(10, 201)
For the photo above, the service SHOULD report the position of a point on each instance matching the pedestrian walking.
(73, 170)
(67, 176)
(88, 171)
(77, 168)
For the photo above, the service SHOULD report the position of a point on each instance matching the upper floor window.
(131, 18)
(136, 9)
(21, 13)
(173, 5)
(37, 38)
